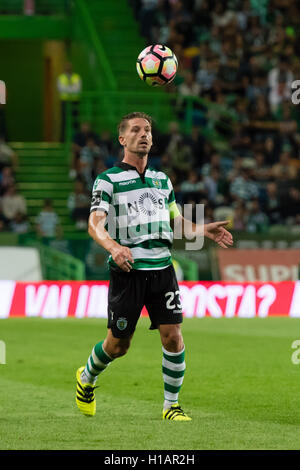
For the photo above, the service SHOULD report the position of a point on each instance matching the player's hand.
(216, 232)
(122, 257)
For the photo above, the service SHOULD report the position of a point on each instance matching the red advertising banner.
(258, 265)
(50, 299)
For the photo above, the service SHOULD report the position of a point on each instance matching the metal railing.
(57, 265)
(92, 37)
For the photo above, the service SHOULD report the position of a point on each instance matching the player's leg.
(124, 307)
(165, 311)
(171, 337)
(173, 368)
(101, 356)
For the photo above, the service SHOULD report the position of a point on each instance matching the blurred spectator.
(146, 17)
(3, 226)
(241, 141)
(244, 12)
(271, 150)
(6, 179)
(79, 141)
(192, 187)
(69, 88)
(229, 68)
(180, 20)
(106, 143)
(82, 135)
(288, 127)
(225, 212)
(214, 163)
(258, 221)
(280, 83)
(291, 204)
(88, 157)
(189, 87)
(206, 75)
(240, 217)
(257, 87)
(222, 17)
(208, 213)
(283, 170)
(100, 166)
(243, 186)
(262, 124)
(196, 143)
(7, 156)
(242, 112)
(272, 205)
(13, 203)
(79, 204)
(215, 186)
(255, 36)
(19, 223)
(166, 165)
(108, 148)
(47, 221)
(176, 145)
(262, 172)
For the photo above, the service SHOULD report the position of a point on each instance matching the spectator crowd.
(242, 55)
(245, 56)
(13, 208)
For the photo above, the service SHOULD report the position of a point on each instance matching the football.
(157, 65)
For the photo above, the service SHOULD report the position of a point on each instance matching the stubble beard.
(141, 155)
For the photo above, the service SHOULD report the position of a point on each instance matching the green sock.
(173, 368)
(97, 363)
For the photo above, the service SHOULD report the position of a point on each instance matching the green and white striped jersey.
(139, 208)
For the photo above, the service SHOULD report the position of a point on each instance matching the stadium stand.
(227, 132)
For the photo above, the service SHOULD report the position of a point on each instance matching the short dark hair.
(123, 123)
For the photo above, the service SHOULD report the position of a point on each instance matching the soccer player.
(143, 205)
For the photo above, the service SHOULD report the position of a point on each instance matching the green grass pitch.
(241, 387)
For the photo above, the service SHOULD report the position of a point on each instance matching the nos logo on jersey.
(147, 204)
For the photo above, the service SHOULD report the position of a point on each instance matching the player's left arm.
(215, 231)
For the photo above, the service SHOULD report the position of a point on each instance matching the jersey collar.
(126, 166)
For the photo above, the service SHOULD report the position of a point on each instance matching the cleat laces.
(87, 393)
(175, 410)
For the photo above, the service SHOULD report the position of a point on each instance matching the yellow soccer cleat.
(85, 396)
(175, 413)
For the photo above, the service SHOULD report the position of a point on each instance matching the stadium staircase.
(116, 42)
(43, 173)
(112, 32)
(120, 38)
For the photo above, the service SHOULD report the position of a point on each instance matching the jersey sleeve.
(101, 194)
(173, 209)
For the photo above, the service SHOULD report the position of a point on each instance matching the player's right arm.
(120, 254)
(101, 200)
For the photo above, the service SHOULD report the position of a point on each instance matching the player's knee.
(120, 349)
(119, 352)
(173, 341)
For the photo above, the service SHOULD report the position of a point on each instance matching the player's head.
(135, 133)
